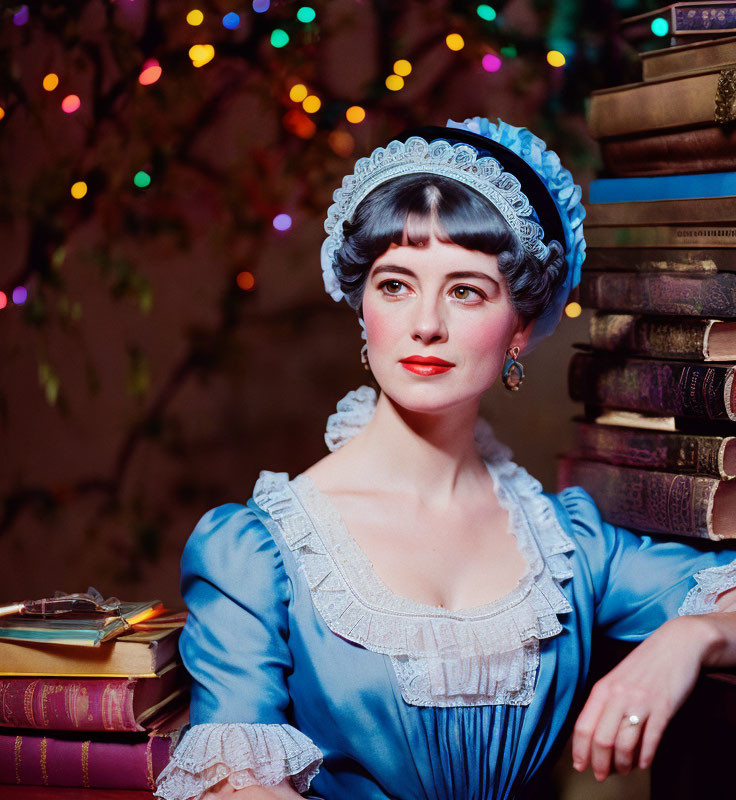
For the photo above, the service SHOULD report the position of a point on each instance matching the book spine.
(654, 450)
(666, 187)
(657, 502)
(703, 17)
(701, 391)
(649, 293)
(702, 235)
(668, 63)
(677, 103)
(91, 704)
(658, 337)
(57, 761)
(659, 259)
(707, 210)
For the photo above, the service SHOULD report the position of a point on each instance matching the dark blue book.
(663, 187)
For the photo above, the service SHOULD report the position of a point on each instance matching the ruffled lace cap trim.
(710, 583)
(477, 656)
(247, 754)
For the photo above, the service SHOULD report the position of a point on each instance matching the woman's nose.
(428, 323)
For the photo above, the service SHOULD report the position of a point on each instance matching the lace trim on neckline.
(483, 655)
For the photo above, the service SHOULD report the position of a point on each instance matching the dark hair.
(464, 217)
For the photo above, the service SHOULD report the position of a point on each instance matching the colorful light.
(231, 21)
(311, 103)
(21, 16)
(282, 222)
(509, 51)
(150, 72)
(195, 17)
(70, 104)
(298, 92)
(201, 54)
(79, 190)
(573, 310)
(306, 14)
(2, 112)
(260, 6)
(341, 142)
(491, 62)
(355, 114)
(298, 123)
(660, 26)
(394, 83)
(486, 12)
(455, 42)
(20, 295)
(50, 81)
(279, 37)
(142, 179)
(555, 58)
(402, 67)
(3, 300)
(245, 280)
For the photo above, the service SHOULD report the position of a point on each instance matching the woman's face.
(444, 302)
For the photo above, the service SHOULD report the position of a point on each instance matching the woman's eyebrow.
(452, 275)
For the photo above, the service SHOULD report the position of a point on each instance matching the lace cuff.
(711, 582)
(247, 754)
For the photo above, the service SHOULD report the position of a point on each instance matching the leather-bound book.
(673, 62)
(702, 210)
(660, 259)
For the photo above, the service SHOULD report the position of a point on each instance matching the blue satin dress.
(305, 664)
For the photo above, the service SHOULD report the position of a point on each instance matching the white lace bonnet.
(563, 212)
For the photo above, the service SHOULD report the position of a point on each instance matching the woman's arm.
(652, 682)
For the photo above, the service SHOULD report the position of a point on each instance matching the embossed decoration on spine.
(726, 97)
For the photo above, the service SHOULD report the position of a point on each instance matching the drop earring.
(364, 356)
(513, 372)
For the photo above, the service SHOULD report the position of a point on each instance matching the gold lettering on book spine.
(44, 772)
(726, 97)
(28, 703)
(149, 763)
(18, 745)
(85, 764)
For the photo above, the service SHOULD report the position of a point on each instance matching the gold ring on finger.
(634, 719)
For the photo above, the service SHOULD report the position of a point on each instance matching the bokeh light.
(150, 72)
(3, 300)
(402, 67)
(279, 37)
(341, 142)
(306, 14)
(245, 280)
(2, 112)
(282, 222)
(491, 62)
(21, 16)
(455, 42)
(311, 103)
(298, 123)
(486, 12)
(20, 295)
(50, 81)
(394, 83)
(509, 51)
(231, 21)
(555, 58)
(142, 179)
(355, 114)
(70, 104)
(573, 310)
(298, 92)
(260, 6)
(660, 26)
(201, 54)
(79, 190)
(195, 17)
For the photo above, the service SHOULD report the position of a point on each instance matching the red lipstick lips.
(426, 365)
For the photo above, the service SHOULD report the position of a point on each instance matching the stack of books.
(94, 702)
(656, 447)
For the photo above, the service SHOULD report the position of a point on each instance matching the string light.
(142, 179)
(394, 83)
(150, 72)
(491, 62)
(660, 26)
(70, 104)
(279, 37)
(402, 67)
(261, 6)
(79, 190)
(245, 280)
(50, 81)
(231, 21)
(306, 14)
(298, 92)
(195, 17)
(2, 112)
(20, 295)
(282, 222)
(555, 58)
(3, 300)
(21, 16)
(455, 42)
(573, 310)
(311, 103)
(355, 114)
(509, 51)
(486, 12)
(201, 54)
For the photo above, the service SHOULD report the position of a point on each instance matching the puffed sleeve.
(234, 645)
(638, 582)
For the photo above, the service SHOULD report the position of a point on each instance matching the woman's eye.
(466, 293)
(391, 286)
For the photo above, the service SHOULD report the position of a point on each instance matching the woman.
(411, 616)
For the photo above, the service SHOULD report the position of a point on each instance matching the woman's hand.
(652, 682)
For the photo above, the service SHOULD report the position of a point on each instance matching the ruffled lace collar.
(483, 655)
